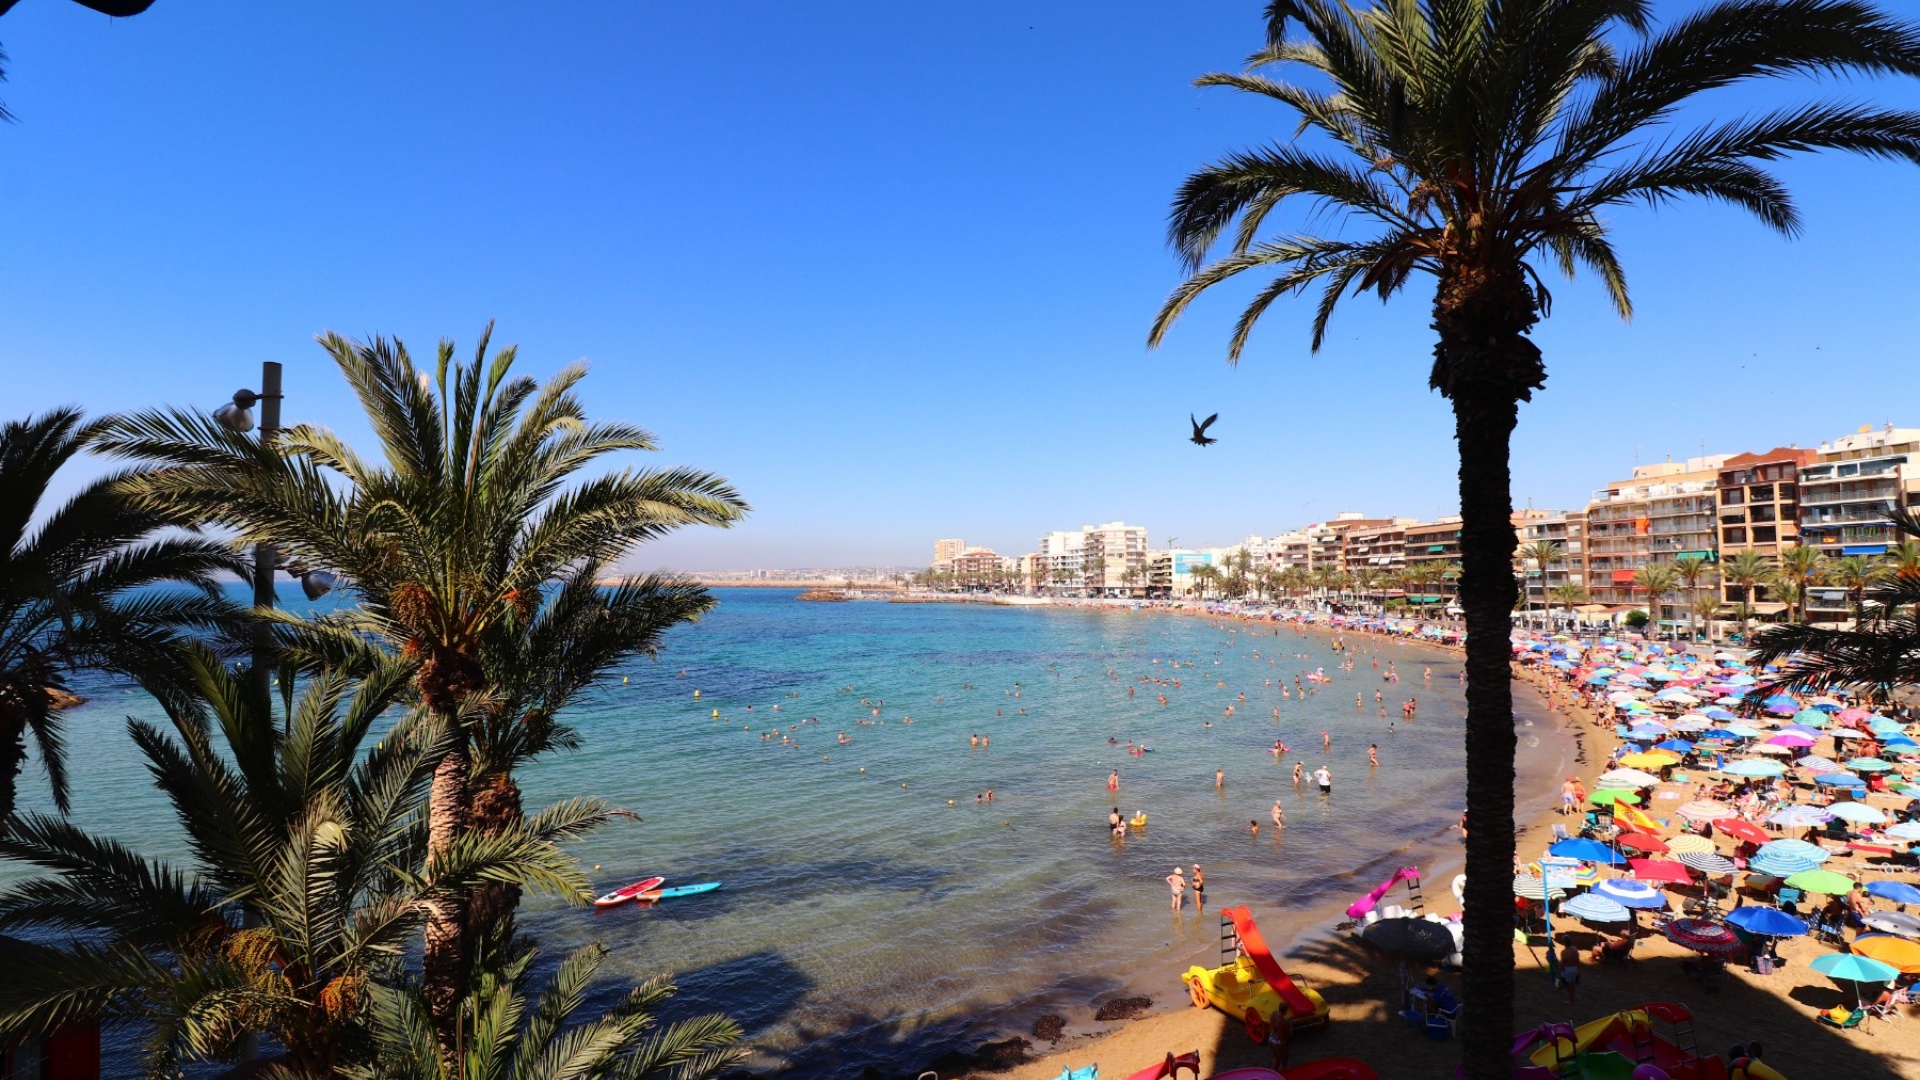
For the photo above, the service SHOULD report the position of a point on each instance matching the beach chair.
(1886, 1012)
(1842, 1017)
(1560, 831)
(1452, 1017)
(1788, 896)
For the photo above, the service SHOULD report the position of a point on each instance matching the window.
(1761, 493)
(1738, 517)
(1732, 497)
(1789, 492)
(1763, 513)
(1733, 536)
(1764, 534)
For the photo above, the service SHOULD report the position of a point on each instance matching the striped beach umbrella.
(1592, 908)
(1630, 893)
(1707, 862)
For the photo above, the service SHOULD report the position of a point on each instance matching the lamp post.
(237, 416)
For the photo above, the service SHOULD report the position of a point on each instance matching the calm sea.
(872, 908)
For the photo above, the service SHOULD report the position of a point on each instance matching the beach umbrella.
(1678, 746)
(1660, 870)
(1781, 866)
(1534, 888)
(1794, 848)
(1895, 952)
(1846, 967)
(1584, 849)
(1839, 779)
(1869, 765)
(1692, 722)
(1745, 731)
(1755, 767)
(1707, 862)
(1650, 759)
(1608, 796)
(1810, 716)
(1594, 908)
(1642, 842)
(1772, 751)
(1858, 813)
(1791, 740)
(1897, 891)
(1410, 938)
(1702, 936)
(1686, 841)
(1767, 921)
(1847, 733)
(1905, 830)
(1814, 763)
(1630, 893)
(1719, 734)
(1880, 725)
(1743, 830)
(1798, 816)
(1780, 704)
(1717, 713)
(1895, 922)
(1627, 778)
(1707, 810)
(1647, 727)
(1821, 881)
(1622, 697)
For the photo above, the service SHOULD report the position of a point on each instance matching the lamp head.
(317, 583)
(234, 417)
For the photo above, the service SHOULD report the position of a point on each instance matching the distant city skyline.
(870, 284)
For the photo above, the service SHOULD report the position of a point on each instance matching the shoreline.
(1315, 954)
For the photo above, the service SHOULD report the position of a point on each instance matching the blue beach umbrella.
(1846, 967)
(1742, 679)
(1898, 892)
(1595, 909)
(1782, 705)
(1745, 731)
(1793, 849)
(1880, 725)
(1869, 764)
(1839, 779)
(1767, 921)
(1810, 716)
(1858, 813)
(1597, 680)
(1678, 746)
(1717, 713)
(1906, 830)
(1586, 850)
(1756, 767)
(1781, 866)
(1628, 892)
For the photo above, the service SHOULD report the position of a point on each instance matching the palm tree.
(453, 538)
(1856, 574)
(1693, 571)
(1745, 570)
(1544, 554)
(1570, 595)
(1657, 579)
(306, 878)
(1708, 609)
(1486, 139)
(509, 1035)
(1800, 567)
(1880, 653)
(76, 590)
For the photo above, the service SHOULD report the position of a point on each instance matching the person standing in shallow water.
(1179, 886)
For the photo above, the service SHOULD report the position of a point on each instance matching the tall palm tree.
(1746, 571)
(76, 590)
(1486, 139)
(511, 1035)
(307, 876)
(1570, 595)
(474, 513)
(1708, 608)
(1544, 553)
(1656, 580)
(1799, 567)
(1692, 571)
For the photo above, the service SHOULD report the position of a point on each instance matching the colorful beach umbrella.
(1686, 841)
(1630, 893)
(1755, 767)
(1781, 866)
(1707, 862)
(1858, 813)
(1895, 952)
(1869, 765)
(1642, 842)
(1839, 779)
(1795, 849)
(1586, 850)
(1766, 921)
(1627, 778)
(1534, 888)
(1706, 810)
(1792, 740)
(1846, 967)
(1608, 797)
(1742, 830)
(1894, 922)
(1594, 908)
(1649, 759)
(1821, 881)
(1660, 870)
(1702, 936)
(1898, 892)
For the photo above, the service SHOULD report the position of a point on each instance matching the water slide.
(1359, 908)
(1255, 947)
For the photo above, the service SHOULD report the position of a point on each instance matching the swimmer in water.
(1279, 815)
(1326, 741)
(1299, 769)
(1373, 755)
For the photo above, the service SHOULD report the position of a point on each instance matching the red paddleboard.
(622, 895)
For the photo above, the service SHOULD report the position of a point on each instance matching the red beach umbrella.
(1741, 829)
(1710, 938)
(1642, 842)
(1660, 870)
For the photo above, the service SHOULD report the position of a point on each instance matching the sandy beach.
(1362, 986)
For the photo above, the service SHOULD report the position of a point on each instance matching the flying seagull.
(1200, 429)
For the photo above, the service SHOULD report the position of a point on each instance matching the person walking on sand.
(1567, 799)
(1568, 977)
(1179, 886)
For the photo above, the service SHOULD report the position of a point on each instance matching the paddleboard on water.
(628, 892)
(680, 890)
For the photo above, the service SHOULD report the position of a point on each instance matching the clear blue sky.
(889, 266)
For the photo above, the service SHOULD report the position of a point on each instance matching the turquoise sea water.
(863, 919)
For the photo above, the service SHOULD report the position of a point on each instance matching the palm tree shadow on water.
(1362, 987)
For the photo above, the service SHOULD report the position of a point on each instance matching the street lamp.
(237, 416)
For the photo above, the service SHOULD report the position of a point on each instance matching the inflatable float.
(1251, 984)
(1652, 1042)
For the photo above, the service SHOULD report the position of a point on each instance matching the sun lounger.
(1851, 1019)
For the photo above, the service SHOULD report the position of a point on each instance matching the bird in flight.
(1200, 429)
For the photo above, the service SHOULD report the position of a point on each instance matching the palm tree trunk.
(496, 808)
(13, 750)
(444, 957)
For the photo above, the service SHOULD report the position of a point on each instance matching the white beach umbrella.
(1628, 779)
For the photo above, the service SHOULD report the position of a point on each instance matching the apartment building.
(1846, 496)
(1113, 559)
(1376, 548)
(1326, 540)
(1759, 512)
(979, 566)
(945, 551)
(1569, 530)
(1662, 512)
(1434, 543)
(1057, 562)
